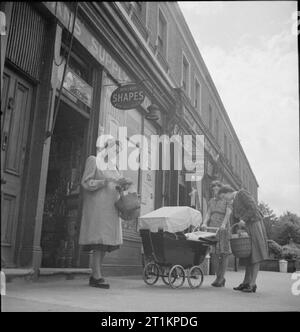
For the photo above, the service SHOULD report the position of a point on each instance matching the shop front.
(47, 134)
(146, 180)
(21, 73)
(86, 112)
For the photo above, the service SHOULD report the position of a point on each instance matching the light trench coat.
(100, 222)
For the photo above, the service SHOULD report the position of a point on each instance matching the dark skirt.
(260, 251)
(102, 247)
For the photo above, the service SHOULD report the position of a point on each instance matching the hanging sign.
(127, 97)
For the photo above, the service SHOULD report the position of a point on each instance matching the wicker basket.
(241, 246)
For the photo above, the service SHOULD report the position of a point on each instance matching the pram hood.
(170, 219)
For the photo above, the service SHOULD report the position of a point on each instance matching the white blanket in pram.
(170, 219)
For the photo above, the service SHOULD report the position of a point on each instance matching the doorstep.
(68, 273)
(13, 273)
(51, 274)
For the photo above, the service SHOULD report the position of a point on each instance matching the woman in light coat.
(101, 229)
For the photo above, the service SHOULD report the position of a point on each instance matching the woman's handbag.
(128, 205)
(240, 244)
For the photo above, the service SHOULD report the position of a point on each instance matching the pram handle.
(198, 228)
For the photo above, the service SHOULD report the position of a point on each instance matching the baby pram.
(169, 253)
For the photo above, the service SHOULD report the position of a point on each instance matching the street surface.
(131, 294)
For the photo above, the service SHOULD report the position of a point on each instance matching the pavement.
(131, 294)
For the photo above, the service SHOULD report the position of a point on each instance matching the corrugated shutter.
(26, 38)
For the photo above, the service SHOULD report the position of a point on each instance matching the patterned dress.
(245, 208)
(217, 213)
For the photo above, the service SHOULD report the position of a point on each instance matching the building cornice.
(107, 21)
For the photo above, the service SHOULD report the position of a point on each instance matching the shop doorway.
(61, 218)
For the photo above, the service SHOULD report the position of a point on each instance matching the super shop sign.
(87, 39)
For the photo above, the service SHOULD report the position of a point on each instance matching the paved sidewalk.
(131, 294)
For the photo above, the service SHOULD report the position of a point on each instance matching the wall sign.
(127, 97)
(76, 86)
(87, 39)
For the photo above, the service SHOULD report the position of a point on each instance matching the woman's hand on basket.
(242, 223)
(203, 227)
(124, 181)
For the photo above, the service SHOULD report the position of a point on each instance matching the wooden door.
(15, 105)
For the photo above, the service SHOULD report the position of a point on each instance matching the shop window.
(79, 65)
(78, 79)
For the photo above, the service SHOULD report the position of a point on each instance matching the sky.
(250, 50)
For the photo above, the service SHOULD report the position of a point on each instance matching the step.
(68, 273)
(13, 273)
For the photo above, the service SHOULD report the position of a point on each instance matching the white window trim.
(183, 56)
(160, 11)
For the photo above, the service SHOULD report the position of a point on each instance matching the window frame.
(210, 118)
(188, 90)
(198, 106)
(217, 130)
(225, 146)
(165, 48)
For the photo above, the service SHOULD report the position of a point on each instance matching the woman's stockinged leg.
(102, 255)
(254, 273)
(216, 263)
(96, 264)
(223, 263)
(248, 274)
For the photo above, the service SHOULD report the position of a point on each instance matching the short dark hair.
(226, 188)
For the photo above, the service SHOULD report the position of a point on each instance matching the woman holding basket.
(218, 216)
(101, 229)
(245, 209)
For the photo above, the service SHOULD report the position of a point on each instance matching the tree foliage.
(270, 218)
(286, 229)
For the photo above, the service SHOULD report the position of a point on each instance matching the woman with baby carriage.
(218, 215)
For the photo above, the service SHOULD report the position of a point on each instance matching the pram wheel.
(195, 277)
(176, 276)
(151, 273)
(165, 276)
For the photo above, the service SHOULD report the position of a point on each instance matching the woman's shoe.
(240, 287)
(99, 283)
(249, 289)
(215, 283)
(220, 284)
